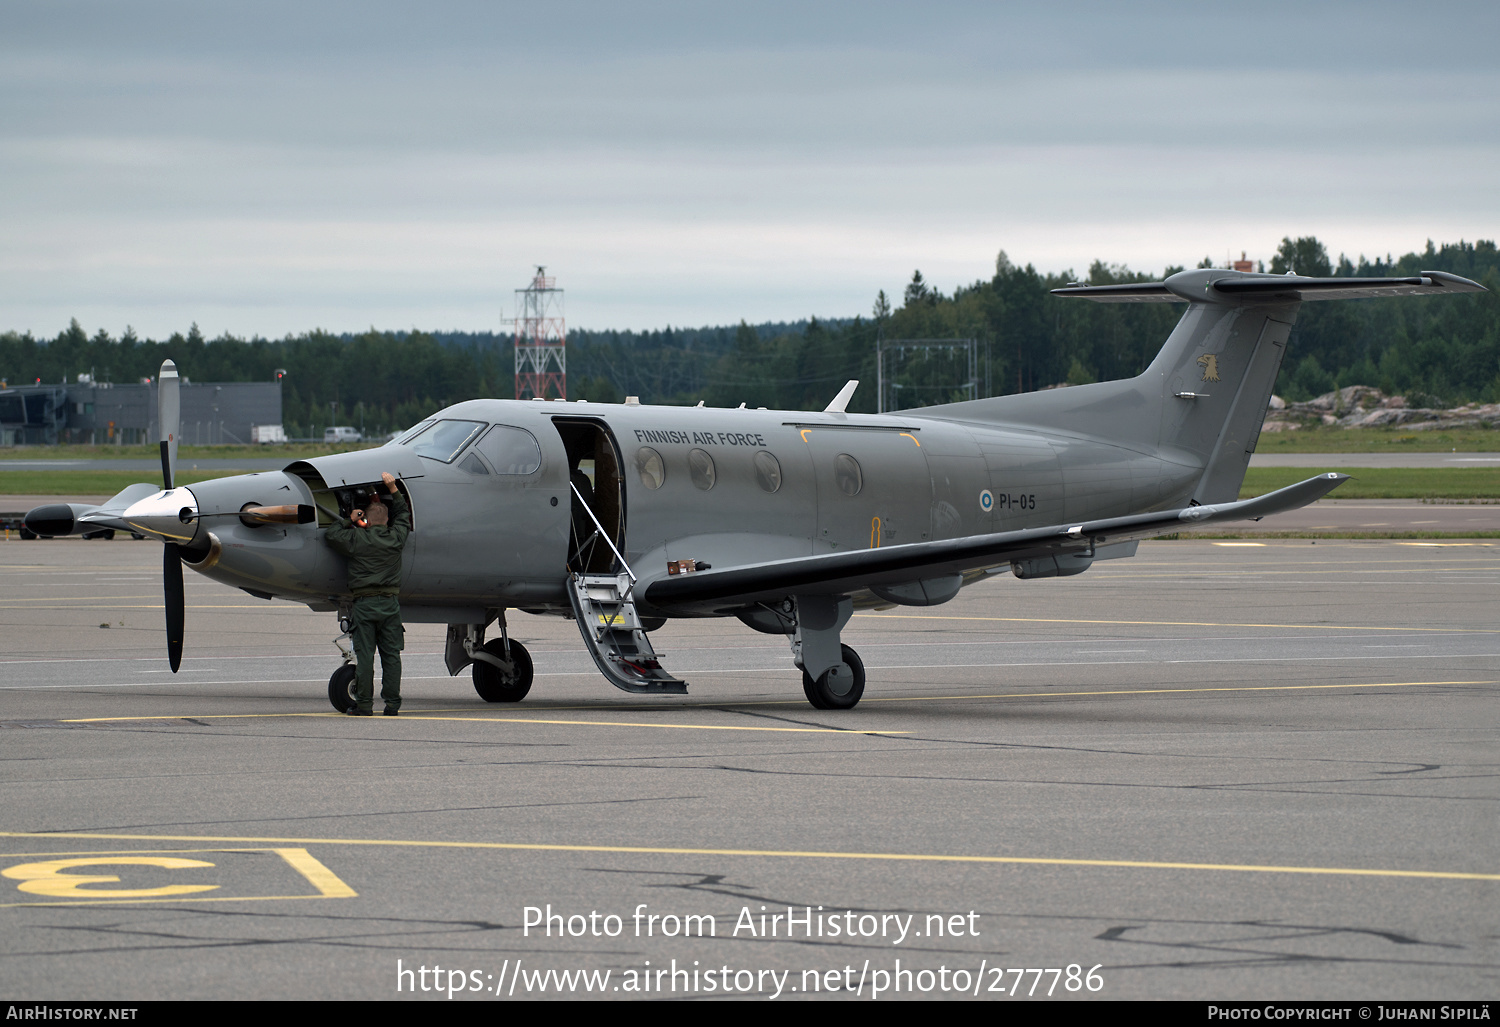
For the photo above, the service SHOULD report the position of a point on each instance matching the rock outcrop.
(1360, 406)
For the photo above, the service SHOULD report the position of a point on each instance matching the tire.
(341, 688)
(494, 686)
(825, 698)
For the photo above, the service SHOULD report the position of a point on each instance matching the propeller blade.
(171, 573)
(168, 413)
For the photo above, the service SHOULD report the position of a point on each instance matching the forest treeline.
(1439, 351)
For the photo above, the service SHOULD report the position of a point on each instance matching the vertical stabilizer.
(1213, 380)
(1201, 403)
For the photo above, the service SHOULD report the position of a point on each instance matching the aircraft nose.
(171, 516)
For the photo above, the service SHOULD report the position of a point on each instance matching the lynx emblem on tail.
(1210, 362)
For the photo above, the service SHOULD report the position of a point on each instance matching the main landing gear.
(497, 684)
(833, 675)
(837, 688)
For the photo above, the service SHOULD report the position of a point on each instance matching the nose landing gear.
(341, 688)
(341, 684)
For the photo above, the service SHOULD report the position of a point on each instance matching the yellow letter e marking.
(49, 878)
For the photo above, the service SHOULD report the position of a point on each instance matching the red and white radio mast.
(541, 340)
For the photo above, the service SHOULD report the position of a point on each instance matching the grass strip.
(289, 452)
(1365, 483)
(1384, 482)
(92, 483)
(1190, 536)
(1323, 439)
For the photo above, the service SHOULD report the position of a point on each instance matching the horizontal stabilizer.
(1261, 287)
(724, 589)
(1234, 287)
(1137, 292)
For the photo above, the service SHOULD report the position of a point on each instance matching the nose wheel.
(840, 687)
(341, 688)
(495, 684)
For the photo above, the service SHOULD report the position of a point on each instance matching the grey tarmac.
(1376, 517)
(1233, 771)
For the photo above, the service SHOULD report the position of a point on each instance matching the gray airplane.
(623, 516)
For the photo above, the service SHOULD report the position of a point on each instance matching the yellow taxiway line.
(685, 727)
(896, 857)
(1168, 623)
(1159, 691)
(729, 705)
(511, 720)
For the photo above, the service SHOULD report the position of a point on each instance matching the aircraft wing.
(730, 588)
(69, 518)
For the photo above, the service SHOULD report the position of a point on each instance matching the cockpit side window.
(411, 433)
(510, 450)
(443, 440)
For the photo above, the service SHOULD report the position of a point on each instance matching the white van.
(342, 433)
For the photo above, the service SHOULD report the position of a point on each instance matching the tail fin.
(1203, 399)
(1211, 383)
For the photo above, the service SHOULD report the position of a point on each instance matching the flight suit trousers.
(376, 623)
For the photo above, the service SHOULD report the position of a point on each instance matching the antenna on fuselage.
(841, 401)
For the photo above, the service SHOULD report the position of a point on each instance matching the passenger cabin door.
(596, 494)
(873, 487)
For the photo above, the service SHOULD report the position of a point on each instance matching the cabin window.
(701, 469)
(847, 473)
(444, 440)
(767, 471)
(650, 466)
(510, 450)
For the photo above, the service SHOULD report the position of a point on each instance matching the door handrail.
(603, 534)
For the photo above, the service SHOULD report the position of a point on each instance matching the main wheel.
(837, 692)
(495, 686)
(341, 688)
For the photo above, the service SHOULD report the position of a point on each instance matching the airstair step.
(611, 628)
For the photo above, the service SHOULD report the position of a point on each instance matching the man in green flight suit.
(372, 539)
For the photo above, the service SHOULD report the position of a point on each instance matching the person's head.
(377, 513)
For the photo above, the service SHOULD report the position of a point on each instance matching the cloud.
(268, 168)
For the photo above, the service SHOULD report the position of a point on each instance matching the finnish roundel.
(986, 501)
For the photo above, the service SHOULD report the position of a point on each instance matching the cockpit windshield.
(442, 440)
(411, 433)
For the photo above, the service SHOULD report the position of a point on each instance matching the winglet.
(1290, 498)
(841, 401)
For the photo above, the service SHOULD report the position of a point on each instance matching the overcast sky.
(267, 168)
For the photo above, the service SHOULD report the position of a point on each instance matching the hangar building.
(103, 413)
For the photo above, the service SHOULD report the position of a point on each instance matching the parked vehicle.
(265, 434)
(342, 433)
